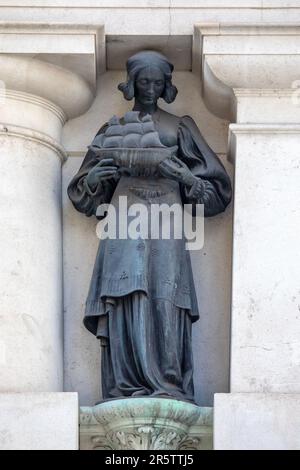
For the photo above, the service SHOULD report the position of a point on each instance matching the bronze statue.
(142, 301)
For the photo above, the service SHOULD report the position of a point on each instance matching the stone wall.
(150, 17)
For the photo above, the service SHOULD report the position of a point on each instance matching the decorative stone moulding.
(145, 423)
(230, 57)
(76, 47)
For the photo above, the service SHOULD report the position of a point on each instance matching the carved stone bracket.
(145, 423)
(248, 64)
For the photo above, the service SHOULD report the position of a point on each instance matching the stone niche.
(65, 89)
(211, 265)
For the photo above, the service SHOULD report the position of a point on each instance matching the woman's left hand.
(173, 168)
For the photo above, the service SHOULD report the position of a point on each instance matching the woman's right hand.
(105, 169)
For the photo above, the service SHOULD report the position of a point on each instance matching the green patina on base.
(146, 423)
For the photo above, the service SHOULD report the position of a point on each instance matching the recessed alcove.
(211, 265)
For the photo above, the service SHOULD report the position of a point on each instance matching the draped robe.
(142, 300)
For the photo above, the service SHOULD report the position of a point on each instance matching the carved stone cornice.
(58, 63)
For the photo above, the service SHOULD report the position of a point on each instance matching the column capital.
(231, 57)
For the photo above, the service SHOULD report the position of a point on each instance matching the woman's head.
(149, 77)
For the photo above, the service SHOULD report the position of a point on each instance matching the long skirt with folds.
(146, 349)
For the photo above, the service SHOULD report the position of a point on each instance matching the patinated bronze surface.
(142, 300)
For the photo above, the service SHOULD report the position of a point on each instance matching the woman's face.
(149, 85)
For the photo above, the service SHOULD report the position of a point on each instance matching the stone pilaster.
(249, 75)
(36, 99)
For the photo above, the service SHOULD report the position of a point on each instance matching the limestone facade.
(238, 73)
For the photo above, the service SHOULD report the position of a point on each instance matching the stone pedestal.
(249, 74)
(38, 421)
(145, 423)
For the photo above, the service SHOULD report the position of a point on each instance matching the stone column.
(31, 326)
(265, 346)
(249, 74)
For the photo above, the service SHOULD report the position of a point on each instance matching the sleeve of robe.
(83, 199)
(212, 187)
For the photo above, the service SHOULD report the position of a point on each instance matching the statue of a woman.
(142, 302)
